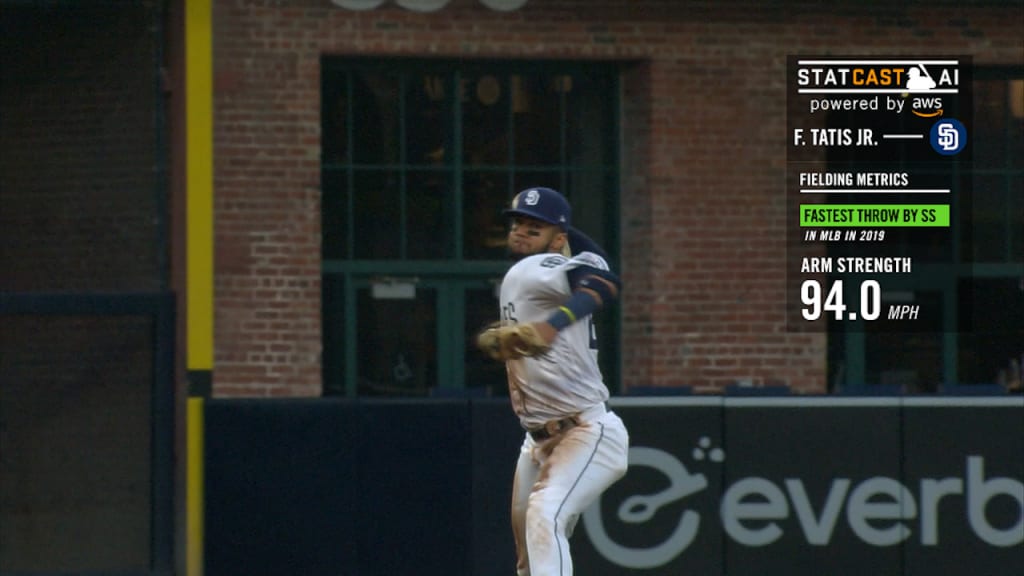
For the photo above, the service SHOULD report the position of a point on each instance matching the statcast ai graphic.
(878, 153)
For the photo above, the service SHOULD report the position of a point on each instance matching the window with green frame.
(419, 158)
(981, 288)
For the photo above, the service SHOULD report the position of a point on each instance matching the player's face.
(528, 236)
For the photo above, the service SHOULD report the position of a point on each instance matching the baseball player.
(574, 447)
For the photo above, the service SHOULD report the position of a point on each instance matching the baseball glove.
(510, 341)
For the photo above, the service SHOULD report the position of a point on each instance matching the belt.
(553, 428)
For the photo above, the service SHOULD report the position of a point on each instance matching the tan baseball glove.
(510, 341)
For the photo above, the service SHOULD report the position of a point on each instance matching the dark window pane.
(991, 309)
(375, 118)
(396, 346)
(589, 101)
(377, 215)
(988, 220)
(998, 124)
(428, 217)
(485, 119)
(334, 214)
(485, 195)
(428, 119)
(536, 112)
(333, 357)
(990, 115)
(1015, 124)
(996, 216)
(591, 207)
(533, 178)
(335, 118)
(1015, 219)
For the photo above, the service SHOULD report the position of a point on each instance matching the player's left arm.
(592, 289)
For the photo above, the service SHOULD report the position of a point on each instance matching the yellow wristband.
(568, 312)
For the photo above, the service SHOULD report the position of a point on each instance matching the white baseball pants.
(555, 481)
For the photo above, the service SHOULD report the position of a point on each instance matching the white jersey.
(566, 380)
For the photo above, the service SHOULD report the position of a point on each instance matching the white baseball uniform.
(557, 477)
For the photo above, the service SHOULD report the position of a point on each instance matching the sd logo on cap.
(544, 204)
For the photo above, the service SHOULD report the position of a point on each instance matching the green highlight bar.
(873, 215)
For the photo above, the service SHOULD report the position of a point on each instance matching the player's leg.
(581, 464)
(527, 470)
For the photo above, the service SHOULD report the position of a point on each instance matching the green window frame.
(419, 157)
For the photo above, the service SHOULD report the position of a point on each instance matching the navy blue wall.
(744, 486)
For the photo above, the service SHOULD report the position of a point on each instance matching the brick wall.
(80, 212)
(703, 151)
(75, 427)
(79, 186)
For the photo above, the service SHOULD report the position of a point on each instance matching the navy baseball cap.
(543, 204)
